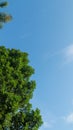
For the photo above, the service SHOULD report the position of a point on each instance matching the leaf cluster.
(4, 17)
(16, 90)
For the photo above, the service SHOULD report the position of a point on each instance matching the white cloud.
(69, 118)
(68, 53)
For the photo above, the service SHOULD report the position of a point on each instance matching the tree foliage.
(4, 17)
(16, 90)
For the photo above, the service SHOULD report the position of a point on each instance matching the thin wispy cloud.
(68, 53)
(48, 55)
(25, 35)
(49, 124)
(72, 102)
(69, 118)
(49, 120)
(65, 54)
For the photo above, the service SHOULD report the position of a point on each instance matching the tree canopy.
(4, 17)
(16, 90)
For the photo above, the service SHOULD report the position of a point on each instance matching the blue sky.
(44, 29)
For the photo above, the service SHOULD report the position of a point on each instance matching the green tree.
(16, 90)
(4, 17)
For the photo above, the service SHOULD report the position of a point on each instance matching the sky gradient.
(44, 29)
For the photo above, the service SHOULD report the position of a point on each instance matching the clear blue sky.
(44, 29)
